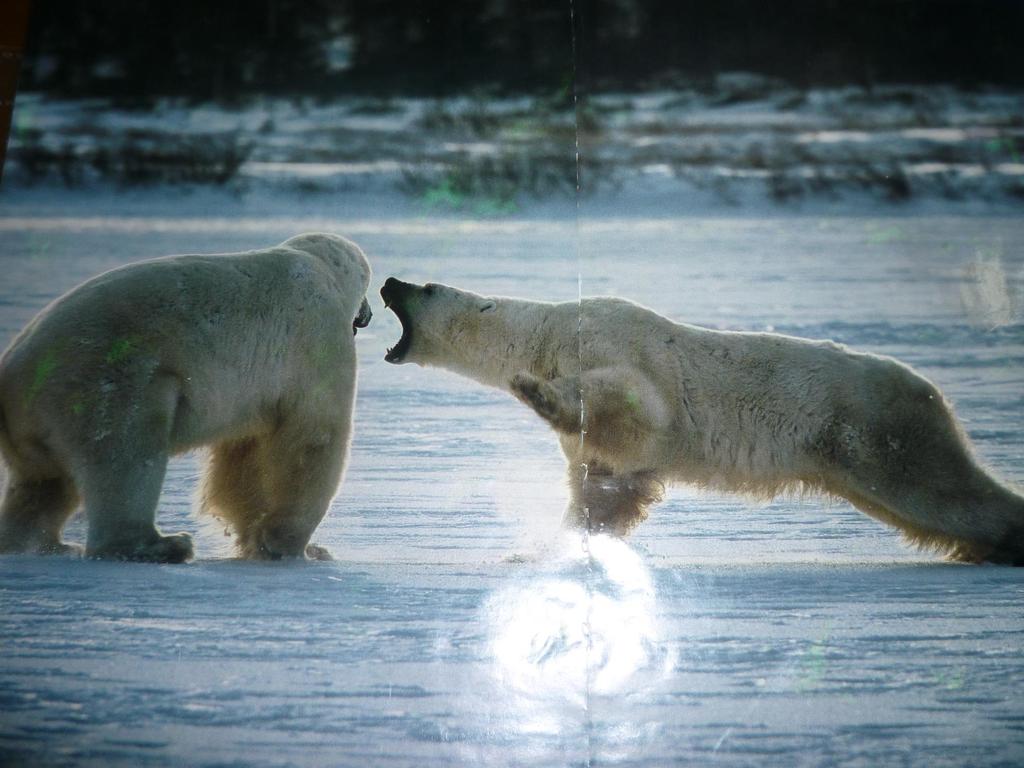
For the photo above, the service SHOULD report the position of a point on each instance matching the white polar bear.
(639, 401)
(249, 353)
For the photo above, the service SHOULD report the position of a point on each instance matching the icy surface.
(457, 624)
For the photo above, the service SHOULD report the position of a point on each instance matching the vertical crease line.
(583, 468)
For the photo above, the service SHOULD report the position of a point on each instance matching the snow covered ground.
(457, 625)
(733, 140)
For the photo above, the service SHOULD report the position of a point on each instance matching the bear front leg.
(619, 414)
(604, 502)
(556, 401)
(300, 477)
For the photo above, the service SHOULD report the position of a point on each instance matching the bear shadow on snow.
(251, 354)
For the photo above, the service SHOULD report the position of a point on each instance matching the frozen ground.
(453, 626)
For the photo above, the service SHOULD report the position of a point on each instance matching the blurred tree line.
(229, 48)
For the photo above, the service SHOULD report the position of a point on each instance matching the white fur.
(251, 354)
(640, 401)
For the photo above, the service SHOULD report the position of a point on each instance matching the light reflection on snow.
(305, 170)
(987, 295)
(582, 626)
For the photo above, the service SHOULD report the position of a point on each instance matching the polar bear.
(251, 354)
(639, 401)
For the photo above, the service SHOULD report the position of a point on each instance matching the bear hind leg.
(971, 523)
(121, 509)
(33, 514)
(121, 495)
(121, 475)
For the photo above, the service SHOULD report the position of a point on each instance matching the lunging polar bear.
(639, 401)
(249, 353)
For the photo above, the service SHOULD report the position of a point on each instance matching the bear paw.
(280, 541)
(537, 394)
(316, 552)
(175, 548)
(63, 548)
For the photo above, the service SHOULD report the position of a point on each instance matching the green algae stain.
(633, 401)
(122, 349)
(82, 401)
(321, 355)
(44, 369)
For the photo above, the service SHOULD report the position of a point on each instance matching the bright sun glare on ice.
(585, 625)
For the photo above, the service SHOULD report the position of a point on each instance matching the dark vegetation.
(574, 82)
(487, 155)
(135, 159)
(228, 50)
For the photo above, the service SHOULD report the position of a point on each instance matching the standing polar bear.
(250, 353)
(638, 400)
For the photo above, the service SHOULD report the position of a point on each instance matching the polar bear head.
(344, 258)
(441, 325)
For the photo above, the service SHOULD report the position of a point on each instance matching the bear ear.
(488, 306)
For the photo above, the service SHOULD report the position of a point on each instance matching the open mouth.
(392, 295)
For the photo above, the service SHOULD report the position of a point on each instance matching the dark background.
(229, 49)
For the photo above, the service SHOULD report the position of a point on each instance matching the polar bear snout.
(395, 293)
(363, 317)
(395, 290)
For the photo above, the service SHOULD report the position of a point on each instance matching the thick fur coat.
(639, 401)
(251, 354)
